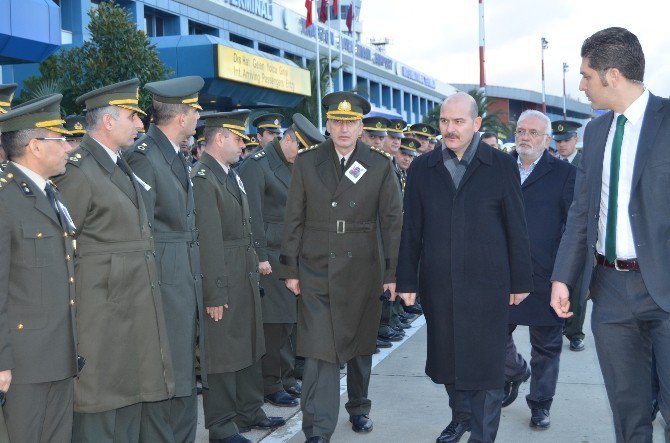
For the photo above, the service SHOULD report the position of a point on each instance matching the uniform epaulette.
(3, 166)
(199, 173)
(300, 151)
(75, 158)
(381, 151)
(142, 148)
(5, 177)
(259, 154)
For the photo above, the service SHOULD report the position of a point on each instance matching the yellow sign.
(248, 68)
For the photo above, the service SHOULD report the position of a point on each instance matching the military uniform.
(330, 245)
(234, 344)
(267, 176)
(6, 96)
(120, 322)
(37, 297)
(171, 213)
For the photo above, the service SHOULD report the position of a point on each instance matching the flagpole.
(318, 76)
(330, 63)
(353, 37)
(340, 74)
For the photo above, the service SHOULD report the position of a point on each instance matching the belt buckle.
(341, 227)
(616, 266)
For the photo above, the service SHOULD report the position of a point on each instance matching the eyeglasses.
(533, 133)
(59, 139)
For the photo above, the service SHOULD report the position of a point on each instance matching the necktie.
(121, 163)
(53, 201)
(184, 164)
(343, 164)
(233, 178)
(610, 235)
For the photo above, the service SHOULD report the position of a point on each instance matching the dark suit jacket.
(649, 209)
(547, 195)
(472, 243)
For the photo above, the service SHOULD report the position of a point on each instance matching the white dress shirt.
(625, 246)
(114, 156)
(571, 157)
(345, 157)
(39, 181)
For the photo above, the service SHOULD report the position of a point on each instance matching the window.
(195, 28)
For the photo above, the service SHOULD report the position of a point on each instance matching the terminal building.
(251, 53)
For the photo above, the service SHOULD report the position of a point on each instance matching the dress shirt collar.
(635, 112)
(114, 156)
(39, 181)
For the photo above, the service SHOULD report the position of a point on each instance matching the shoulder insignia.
(142, 147)
(74, 158)
(201, 172)
(5, 177)
(260, 154)
(300, 151)
(26, 189)
(380, 151)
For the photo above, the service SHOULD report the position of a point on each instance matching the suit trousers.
(233, 400)
(279, 359)
(358, 382)
(545, 357)
(40, 412)
(174, 420)
(480, 408)
(626, 324)
(320, 400)
(116, 425)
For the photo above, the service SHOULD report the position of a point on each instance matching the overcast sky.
(441, 38)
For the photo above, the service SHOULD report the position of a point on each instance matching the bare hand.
(391, 288)
(515, 299)
(216, 312)
(560, 299)
(264, 268)
(408, 297)
(293, 284)
(5, 380)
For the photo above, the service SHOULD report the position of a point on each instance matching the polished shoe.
(384, 344)
(539, 418)
(512, 389)
(404, 325)
(316, 439)
(654, 409)
(408, 318)
(236, 438)
(295, 390)
(361, 423)
(414, 309)
(266, 423)
(453, 432)
(399, 330)
(390, 336)
(198, 390)
(281, 398)
(576, 344)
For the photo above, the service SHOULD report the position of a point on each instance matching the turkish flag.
(350, 17)
(323, 11)
(336, 9)
(308, 20)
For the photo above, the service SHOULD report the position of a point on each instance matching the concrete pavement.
(408, 407)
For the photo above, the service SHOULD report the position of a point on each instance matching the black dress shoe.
(414, 309)
(512, 389)
(267, 423)
(383, 344)
(399, 330)
(281, 398)
(539, 418)
(198, 390)
(654, 409)
(576, 344)
(453, 432)
(236, 438)
(295, 390)
(391, 336)
(361, 423)
(316, 439)
(404, 325)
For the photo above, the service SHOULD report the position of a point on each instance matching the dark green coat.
(120, 322)
(171, 213)
(266, 179)
(340, 273)
(37, 301)
(230, 269)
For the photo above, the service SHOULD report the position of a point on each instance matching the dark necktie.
(233, 178)
(53, 201)
(184, 164)
(121, 163)
(343, 164)
(615, 161)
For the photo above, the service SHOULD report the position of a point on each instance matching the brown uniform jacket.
(120, 321)
(229, 267)
(331, 245)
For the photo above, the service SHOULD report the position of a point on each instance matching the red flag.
(336, 9)
(350, 17)
(308, 19)
(323, 11)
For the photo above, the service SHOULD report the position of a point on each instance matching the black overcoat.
(473, 247)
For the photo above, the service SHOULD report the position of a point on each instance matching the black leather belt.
(620, 265)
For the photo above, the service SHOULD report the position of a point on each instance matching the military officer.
(76, 124)
(406, 154)
(159, 162)
(199, 140)
(341, 192)
(120, 321)
(374, 131)
(6, 95)
(268, 126)
(233, 324)
(423, 133)
(267, 175)
(38, 357)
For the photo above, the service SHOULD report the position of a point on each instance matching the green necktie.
(610, 236)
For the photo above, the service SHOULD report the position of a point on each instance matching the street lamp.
(545, 45)
(565, 112)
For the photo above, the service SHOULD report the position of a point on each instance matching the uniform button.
(64, 234)
(71, 302)
(188, 214)
(349, 254)
(333, 204)
(332, 255)
(149, 224)
(197, 243)
(71, 280)
(19, 326)
(153, 286)
(39, 235)
(352, 204)
(67, 257)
